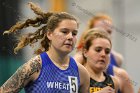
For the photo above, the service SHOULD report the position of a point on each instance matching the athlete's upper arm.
(22, 76)
(125, 83)
(84, 79)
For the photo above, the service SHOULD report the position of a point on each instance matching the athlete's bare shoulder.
(124, 80)
(84, 78)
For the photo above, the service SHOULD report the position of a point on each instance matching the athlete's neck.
(61, 61)
(95, 74)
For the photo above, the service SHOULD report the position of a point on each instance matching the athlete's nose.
(103, 53)
(70, 36)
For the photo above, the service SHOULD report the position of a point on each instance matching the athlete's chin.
(67, 51)
(101, 67)
(70, 48)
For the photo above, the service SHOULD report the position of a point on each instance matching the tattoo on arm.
(17, 80)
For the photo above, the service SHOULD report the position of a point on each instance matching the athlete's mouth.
(102, 61)
(68, 44)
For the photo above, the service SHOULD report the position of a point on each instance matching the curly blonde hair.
(45, 21)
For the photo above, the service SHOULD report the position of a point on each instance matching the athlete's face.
(98, 54)
(64, 37)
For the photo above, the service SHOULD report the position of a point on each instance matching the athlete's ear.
(85, 53)
(49, 35)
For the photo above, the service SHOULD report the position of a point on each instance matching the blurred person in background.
(104, 22)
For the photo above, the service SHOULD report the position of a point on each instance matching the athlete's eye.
(107, 51)
(74, 33)
(65, 30)
(98, 49)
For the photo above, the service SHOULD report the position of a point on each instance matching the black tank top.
(96, 86)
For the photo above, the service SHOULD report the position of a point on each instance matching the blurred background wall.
(125, 17)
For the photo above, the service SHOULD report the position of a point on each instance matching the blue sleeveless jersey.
(54, 80)
(109, 70)
(112, 63)
(113, 60)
